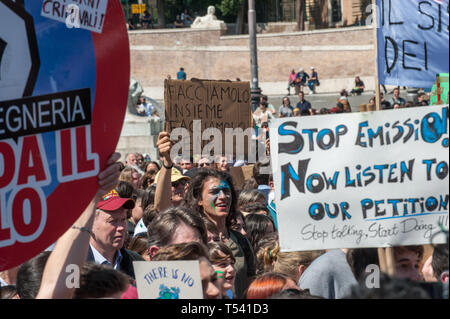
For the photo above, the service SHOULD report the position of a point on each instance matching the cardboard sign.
(219, 105)
(413, 39)
(168, 279)
(373, 179)
(62, 105)
(241, 175)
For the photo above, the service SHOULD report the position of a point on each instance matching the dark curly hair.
(195, 190)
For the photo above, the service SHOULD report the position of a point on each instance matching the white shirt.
(100, 260)
(3, 283)
(259, 116)
(140, 227)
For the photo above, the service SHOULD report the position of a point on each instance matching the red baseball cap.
(112, 201)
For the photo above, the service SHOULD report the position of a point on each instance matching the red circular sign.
(51, 161)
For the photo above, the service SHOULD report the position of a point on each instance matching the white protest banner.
(374, 179)
(413, 41)
(88, 15)
(168, 279)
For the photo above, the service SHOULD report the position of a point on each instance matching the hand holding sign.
(108, 179)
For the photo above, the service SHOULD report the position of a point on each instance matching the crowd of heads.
(231, 230)
(210, 211)
(302, 107)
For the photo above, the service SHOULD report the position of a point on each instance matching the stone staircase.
(139, 135)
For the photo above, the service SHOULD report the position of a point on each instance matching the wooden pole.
(386, 260)
(375, 44)
(385, 255)
(381, 251)
(382, 260)
(390, 261)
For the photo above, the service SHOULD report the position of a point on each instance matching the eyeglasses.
(178, 183)
(204, 165)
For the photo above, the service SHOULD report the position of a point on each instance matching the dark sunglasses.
(178, 183)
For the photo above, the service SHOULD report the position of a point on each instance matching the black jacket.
(126, 265)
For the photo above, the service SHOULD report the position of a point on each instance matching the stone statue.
(209, 21)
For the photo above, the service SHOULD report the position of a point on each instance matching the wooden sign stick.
(382, 260)
(385, 255)
(386, 260)
(375, 44)
(390, 261)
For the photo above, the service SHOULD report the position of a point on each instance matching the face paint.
(223, 187)
(217, 198)
(220, 274)
(215, 191)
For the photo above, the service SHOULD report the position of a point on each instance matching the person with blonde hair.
(265, 250)
(132, 176)
(293, 264)
(222, 164)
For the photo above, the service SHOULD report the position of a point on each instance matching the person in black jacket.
(109, 234)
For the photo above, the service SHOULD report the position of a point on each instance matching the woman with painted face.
(211, 193)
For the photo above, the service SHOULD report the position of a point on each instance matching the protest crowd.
(175, 209)
(237, 221)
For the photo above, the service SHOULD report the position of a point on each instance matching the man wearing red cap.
(109, 234)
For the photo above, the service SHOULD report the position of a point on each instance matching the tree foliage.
(227, 10)
(230, 8)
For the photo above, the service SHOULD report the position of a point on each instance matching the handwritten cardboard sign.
(412, 41)
(168, 279)
(218, 104)
(371, 179)
(241, 175)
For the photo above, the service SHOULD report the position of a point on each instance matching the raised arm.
(163, 193)
(72, 247)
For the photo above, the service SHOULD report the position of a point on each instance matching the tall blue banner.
(413, 41)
